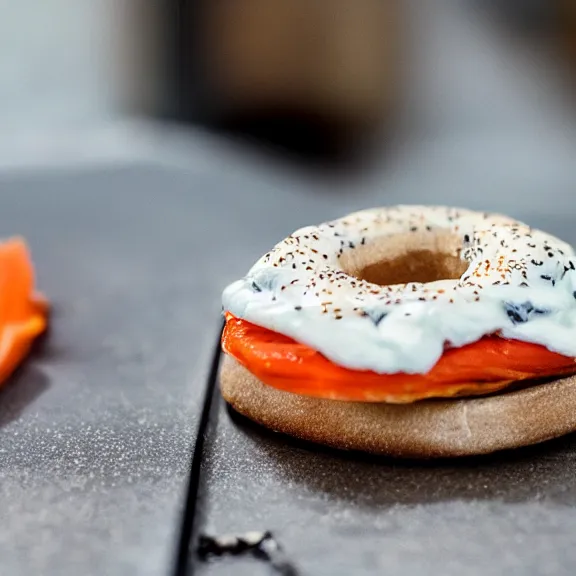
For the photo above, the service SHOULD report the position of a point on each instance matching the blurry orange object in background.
(23, 312)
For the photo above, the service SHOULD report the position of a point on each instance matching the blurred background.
(399, 93)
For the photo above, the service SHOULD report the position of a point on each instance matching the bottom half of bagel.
(425, 429)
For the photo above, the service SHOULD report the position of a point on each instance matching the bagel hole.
(403, 258)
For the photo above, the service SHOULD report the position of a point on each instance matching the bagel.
(390, 330)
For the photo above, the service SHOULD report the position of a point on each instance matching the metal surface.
(339, 514)
(96, 431)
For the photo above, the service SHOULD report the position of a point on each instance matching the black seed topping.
(518, 313)
(376, 315)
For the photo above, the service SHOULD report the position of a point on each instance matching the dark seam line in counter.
(184, 565)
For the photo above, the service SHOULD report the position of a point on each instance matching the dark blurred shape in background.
(551, 23)
(537, 17)
(312, 76)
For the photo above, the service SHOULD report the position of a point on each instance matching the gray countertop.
(97, 430)
(333, 513)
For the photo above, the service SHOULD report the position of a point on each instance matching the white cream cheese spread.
(519, 283)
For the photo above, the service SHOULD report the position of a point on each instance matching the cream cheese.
(519, 282)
